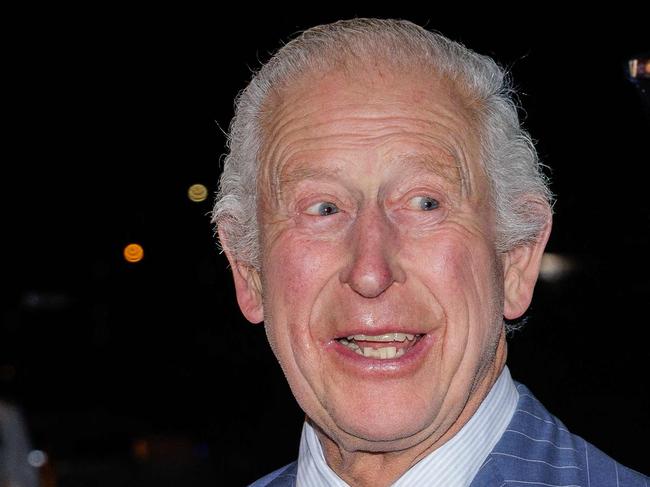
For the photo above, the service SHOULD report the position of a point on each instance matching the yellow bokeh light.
(197, 193)
(133, 253)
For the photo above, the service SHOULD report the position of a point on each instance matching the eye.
(424, 203)
(324, 208)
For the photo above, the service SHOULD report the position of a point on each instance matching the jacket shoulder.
(282, 477)
(537, 449)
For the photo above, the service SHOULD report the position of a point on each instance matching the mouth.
(386, 346)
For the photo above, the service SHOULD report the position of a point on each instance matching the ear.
(247, 286)
(521, 269)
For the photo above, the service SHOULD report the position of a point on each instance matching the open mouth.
(383, 347)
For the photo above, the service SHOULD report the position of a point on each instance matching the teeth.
(388, 337)
(381, 353)
(351, 345)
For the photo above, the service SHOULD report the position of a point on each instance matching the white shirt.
(454, 464)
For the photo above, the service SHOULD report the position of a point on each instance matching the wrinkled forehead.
(363, 105)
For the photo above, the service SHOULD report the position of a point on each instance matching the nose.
(373, 264)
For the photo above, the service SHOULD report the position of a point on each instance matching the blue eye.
(424, 203)
(324, 208)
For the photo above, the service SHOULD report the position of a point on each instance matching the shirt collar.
(454, 464)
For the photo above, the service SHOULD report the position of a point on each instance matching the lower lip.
(405, 364)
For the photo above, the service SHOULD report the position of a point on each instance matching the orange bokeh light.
(133, 253)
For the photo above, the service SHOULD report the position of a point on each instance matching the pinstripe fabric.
(454, 464)
(535, 450)
(282, 477)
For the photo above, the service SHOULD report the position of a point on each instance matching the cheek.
(482, 294)
(461, 274)
(296, 270)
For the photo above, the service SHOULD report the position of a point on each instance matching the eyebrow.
(301, 171)
(304, 171)
(442, 164)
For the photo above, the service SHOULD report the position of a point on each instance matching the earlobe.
(249, 291)
(247, 287)
(521, 269)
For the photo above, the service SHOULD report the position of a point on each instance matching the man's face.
(382, 289)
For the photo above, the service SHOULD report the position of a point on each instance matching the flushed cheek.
(459, 275)
(454, 263)
(300, 270)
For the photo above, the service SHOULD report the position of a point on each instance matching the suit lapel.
(287, 477)
(488, 475)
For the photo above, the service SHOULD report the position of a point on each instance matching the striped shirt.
(454, 464)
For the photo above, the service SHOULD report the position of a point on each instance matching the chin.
(375, 430)
(386, 440)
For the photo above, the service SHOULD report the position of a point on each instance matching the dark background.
(146, 374)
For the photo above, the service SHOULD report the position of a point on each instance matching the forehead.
(417, 121)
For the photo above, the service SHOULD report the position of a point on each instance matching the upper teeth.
(381, 352)
(387, 337)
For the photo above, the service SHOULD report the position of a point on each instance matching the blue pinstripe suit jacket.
(536, 450)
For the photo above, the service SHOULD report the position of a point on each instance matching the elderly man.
(383, 211)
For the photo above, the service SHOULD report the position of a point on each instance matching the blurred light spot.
(555, 266)
(197, 193)
(37, 458)
(141, 450)
(133, 253)
(639, 68)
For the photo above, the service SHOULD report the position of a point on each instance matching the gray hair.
(519, 190)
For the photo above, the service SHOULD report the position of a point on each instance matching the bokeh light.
(133, 253)
(555, 266)
(141, 450)
(37, 458)
(197, 193)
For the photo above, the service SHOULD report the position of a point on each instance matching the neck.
(382, 469)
